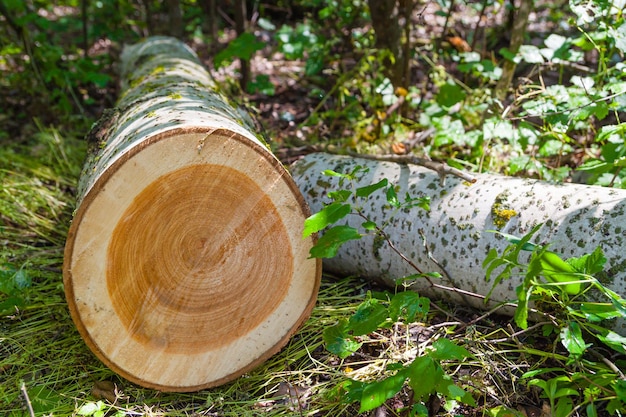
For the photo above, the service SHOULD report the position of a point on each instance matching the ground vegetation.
(532, 89)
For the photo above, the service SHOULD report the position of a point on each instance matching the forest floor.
(43, 360)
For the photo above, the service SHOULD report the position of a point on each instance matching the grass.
(42, 356)
(41, 350)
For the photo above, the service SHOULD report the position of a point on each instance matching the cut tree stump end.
(185, 265)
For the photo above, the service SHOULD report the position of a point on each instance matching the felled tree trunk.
(185, 265)
(576, 219)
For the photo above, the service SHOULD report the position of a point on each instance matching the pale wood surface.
(185, 265)
(454, 237)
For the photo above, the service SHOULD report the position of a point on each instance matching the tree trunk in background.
(386, 20)
(520, 24)
(576, 219)
(184, 265)
(175, 16)
(240, 27)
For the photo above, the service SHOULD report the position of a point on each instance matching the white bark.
(184, 264)
(576, 219)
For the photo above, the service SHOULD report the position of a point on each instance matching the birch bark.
(454, 233)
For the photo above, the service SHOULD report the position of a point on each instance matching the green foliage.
(565, 290)
(565, 113)
(243, 46)
(261, 84)
(424, 375)
(37, 60)
(578, 320)
(13, 284)
(98, 409)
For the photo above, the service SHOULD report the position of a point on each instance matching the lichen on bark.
(576, 219)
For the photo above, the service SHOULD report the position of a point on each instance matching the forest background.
(533, 89)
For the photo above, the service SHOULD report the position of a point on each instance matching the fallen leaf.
(106, 390)
(459, 44)
(398, 148)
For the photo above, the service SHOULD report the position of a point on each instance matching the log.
(184, 265)
(453, 239)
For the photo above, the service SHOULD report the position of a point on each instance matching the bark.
(386, 19)
(453, 238)
(240, 27)
(520, 24)
(184, 264)
(175, 18)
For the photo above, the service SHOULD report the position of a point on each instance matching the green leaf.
(539, 371)
(620, 389)
(340, 196)
(618, 302)
(367, 190)
(450, 94)
(330, 242)
(557, 47)
(376, 393)
(99, 79)
(596, 312)
(13, 280)
(508, 55)
(369, 316)
(553, 147)
(90, 408)
(594, 165)
(330, 214)
(447, 350)
(557, 270)
(525, 244)
(392, 197)
(262, 85)
(338, 342)
(521, 312)
(368, 225)
(590, 263)
(572, 339)
(418, 410)
(565, 405)
(591, 410)
(44, 400)
(22, 280)
(408, 304)
(331, 173)
(314, 64)
(11, 304)
(614, 341)
(619, 35)
(598, 109)
(459, 394)
(531, 54)
(424, 376)
(243, 46)
(496, 128)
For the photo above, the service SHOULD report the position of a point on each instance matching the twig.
(608, 363)
(440, 168)
(517, 38)
(480, 18)
(445, 25)
(29, 405)
(514, 335)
